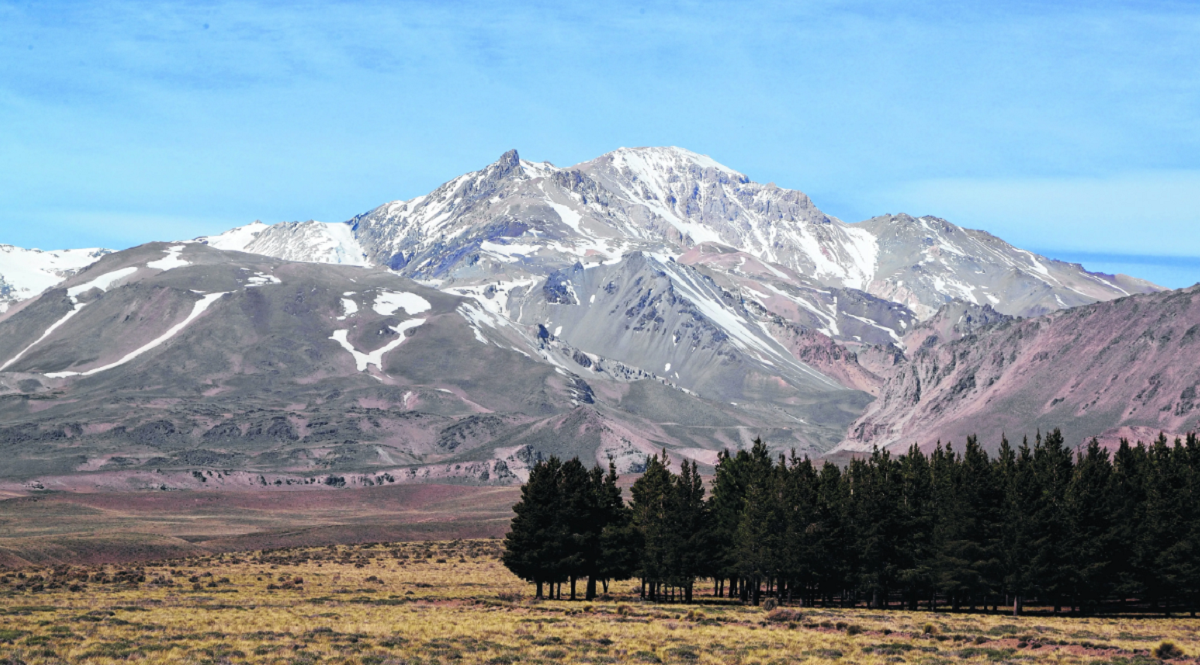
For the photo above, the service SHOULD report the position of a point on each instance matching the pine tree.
(800, 558)
(1016, 472)
(875, 512)
(1090, 514)
(832, 544)
(689, 532)
(651, 509)
(1183, 558)
(968, 500)
(620, 545)
(1128, 508)
(1052, 475)
(1166, 558)
(759, 535)
(533, 547)
(734, 474)
(579, 512)
(760, 527)
(915, 573)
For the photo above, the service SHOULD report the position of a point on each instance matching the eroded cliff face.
(1127, 363)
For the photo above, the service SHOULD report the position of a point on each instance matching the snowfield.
(388, 303)
(363, 360)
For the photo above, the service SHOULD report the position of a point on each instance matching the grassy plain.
(453, 602)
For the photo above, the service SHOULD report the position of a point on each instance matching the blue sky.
(1068, 128)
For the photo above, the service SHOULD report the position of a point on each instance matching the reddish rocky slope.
(1122, 365)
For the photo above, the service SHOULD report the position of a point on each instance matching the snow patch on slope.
(171, 260)
(262, 279)
(103, 282)
(362, 360)
(388, 303)
(197, 310)
(52, 328)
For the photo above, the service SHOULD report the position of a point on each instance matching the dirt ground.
(79, 528)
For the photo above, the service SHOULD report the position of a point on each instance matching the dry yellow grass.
(453, 602)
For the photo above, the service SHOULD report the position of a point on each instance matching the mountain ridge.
(649, 298)
(1098, 370)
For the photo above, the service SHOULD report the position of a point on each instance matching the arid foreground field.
(453, 602)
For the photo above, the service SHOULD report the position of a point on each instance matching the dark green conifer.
(534, 545)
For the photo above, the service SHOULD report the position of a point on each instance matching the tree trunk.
(572, 587)
(539, 589)
(1017, 605)
(591, 588)
(687, 593)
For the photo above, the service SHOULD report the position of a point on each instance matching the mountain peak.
(509, 159)
(663, 158)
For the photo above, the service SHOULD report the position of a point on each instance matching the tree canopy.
(1037, 522)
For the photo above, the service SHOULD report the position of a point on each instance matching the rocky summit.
(651, 298)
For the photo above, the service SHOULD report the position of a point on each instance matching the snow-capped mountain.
(515, 226)
(24, 273)
(649, 298)
(514, 219)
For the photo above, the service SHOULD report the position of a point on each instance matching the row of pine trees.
(1038, 523)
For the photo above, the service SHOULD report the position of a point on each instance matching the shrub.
(889, 649)
(984, 652)
(770, 604)
(784, 615)
(1168, 651)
